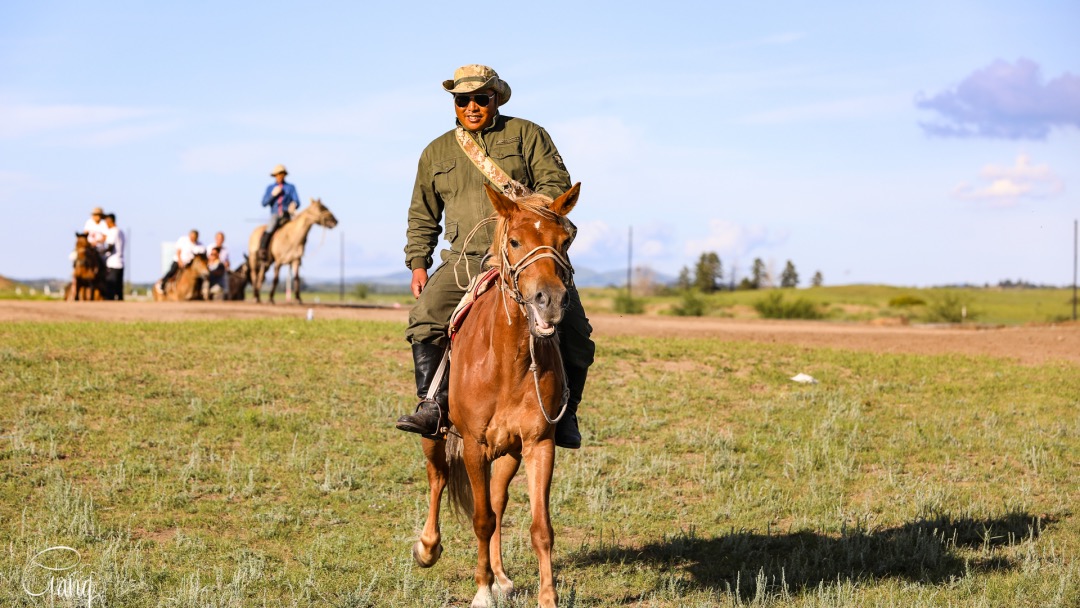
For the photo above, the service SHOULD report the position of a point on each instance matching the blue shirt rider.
(279, 195)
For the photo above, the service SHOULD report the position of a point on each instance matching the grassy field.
(255, 463)
(867, 302)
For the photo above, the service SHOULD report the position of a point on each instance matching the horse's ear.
(566, 202)
(502, 203)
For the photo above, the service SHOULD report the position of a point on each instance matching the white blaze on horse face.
(537, 224)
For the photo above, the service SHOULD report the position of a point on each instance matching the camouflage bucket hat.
(473, 77)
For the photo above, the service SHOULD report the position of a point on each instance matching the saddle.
(477, 287)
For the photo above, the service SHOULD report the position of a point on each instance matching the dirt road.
(1029, 344)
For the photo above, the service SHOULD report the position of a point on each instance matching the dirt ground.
(1028, 344)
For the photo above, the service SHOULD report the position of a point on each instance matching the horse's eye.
(514, 243)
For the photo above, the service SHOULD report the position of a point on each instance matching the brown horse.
(507, 391)
(239, 280)
(186, 284)
(88, 275)
(287, 247)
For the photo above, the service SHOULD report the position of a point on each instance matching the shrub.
(950, 308)
(906, 301)
(628, 306)
(773, 306)
(692, 305)
(362, 291)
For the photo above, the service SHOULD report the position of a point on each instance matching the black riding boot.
(566, 430)
(264, 244)
(430, 417)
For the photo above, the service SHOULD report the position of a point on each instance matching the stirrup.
(442, 425)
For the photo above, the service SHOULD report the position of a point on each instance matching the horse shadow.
(752, 564)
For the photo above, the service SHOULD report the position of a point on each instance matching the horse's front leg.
(273, 286)
(502, 473)
(296, 281)
(483, 519)
(258, 273)
(428, 548)
(539, 464)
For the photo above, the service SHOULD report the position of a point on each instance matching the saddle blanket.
(479, 284)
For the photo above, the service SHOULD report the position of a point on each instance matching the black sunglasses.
(481, 99)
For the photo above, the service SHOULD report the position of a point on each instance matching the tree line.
(708, 276)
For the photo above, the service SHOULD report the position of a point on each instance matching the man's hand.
(276, 191)
(419, 280)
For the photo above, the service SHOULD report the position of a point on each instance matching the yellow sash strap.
(493, 172)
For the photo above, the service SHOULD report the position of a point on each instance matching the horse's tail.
(458, 487)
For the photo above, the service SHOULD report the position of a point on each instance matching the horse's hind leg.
(273, 286)
(539, 464)
(296, 281)
(502, 473)
(428, 548)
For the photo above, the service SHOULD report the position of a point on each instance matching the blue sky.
(919, 143)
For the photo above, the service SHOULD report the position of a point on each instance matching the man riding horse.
(450, 187)
(278, 197)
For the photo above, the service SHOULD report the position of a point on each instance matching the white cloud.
(780, 39)
(1005, 100)
(113, 136)
(595, 236)
(598, 141)
(1006, 186)
(367, 117)
(654, 248)
(24, 119)
(729, 239)
(256, 157)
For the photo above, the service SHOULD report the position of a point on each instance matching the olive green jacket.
(449, 184)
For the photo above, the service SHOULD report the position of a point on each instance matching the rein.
(509, 276)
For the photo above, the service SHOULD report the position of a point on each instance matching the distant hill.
(6, 283)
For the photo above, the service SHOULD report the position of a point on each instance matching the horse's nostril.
(541, 299)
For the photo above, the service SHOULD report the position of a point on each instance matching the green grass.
(252, 463)
(867, 302)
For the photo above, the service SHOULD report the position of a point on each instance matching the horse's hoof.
(503, 589)
(482, 599)
(418, 555)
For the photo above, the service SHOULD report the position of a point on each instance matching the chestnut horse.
(88, 274)
(507, 391)
(186, 284)
(286, 247)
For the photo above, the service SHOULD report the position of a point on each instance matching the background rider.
(279, 195)
(114, 259)
(186, 248)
